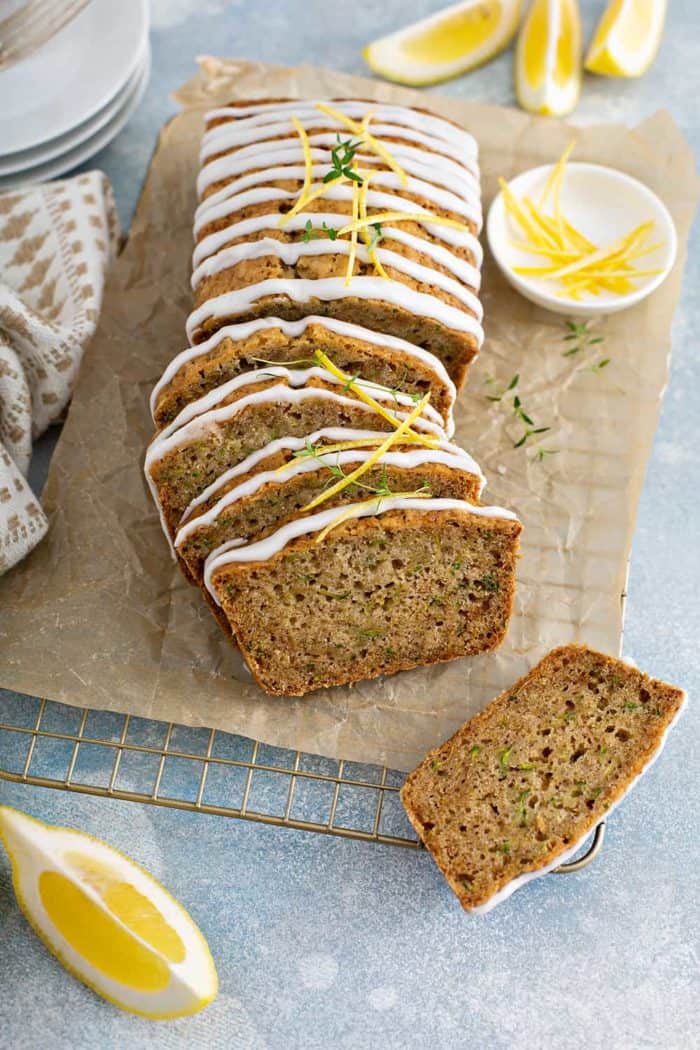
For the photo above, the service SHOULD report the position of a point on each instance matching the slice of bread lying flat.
(518, 788)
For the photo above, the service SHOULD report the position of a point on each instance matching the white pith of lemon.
(107, 920)
(446, 44)
(548, 58)
(627, 38)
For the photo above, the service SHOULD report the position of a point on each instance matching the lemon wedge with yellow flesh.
(627, 38)
(548, 58)
(107, 920)
(446, 44)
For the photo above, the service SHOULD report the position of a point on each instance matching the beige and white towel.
(56, 243)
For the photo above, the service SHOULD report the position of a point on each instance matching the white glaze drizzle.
(244, 139)
(326, 435)
(406, 460)
(263, 550)
(164, 443)
(462, 184)
(465, 271)
(295, 377)
(290, 252)
(570, 852)
(415, 162)
(294, 329)
(229, 200)
(457, 238)
(232, 304)
(267, 112)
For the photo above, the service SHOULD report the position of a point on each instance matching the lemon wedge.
(445, 44)
(548, 58)
(627, 38)
(107, 920)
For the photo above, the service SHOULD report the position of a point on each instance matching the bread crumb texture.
(529, 777)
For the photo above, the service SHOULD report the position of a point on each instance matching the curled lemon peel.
(360, 220)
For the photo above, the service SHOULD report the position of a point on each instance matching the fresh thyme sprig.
(376, 236)
(382, 489)
(511, 386)
(581, 337)
(312, 233)
(583, 340)
(529, 428)
(342, 157)
(309, 450)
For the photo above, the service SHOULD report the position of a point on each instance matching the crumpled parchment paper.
(99, 616)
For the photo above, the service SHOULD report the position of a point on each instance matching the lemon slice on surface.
(627, 38)
(107, 920)
(548, 58)
(445, 44)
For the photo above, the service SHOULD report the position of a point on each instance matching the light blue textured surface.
(327, 943)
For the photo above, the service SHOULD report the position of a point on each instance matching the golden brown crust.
(528, 778)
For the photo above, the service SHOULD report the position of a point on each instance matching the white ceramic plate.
(73, 157)
(604, 204)
(73, 76)
(56, 147)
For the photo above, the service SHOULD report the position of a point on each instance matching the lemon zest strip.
(346, 446)
(362, 132)
(326, 363)
(371, 460)
(366, 236)
(405, 216)
(304, 196)
(350, 512)
(556, 176)
(353, 237)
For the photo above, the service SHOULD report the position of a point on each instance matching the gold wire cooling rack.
(205, 771)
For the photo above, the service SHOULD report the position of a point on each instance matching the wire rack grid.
(100, 753)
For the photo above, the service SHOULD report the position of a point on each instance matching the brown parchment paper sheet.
(99, 616)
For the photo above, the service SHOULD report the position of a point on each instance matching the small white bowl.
(603, 204)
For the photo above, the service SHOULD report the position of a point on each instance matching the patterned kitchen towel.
(56, 243)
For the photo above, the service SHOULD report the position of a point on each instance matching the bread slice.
(516, 790)
(452, 335)
(395, 584)
(236, 349)
(265, 501)
(200, 446)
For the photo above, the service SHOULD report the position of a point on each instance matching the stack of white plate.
(68, 99)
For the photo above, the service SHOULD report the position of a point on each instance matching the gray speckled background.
(327, 943)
